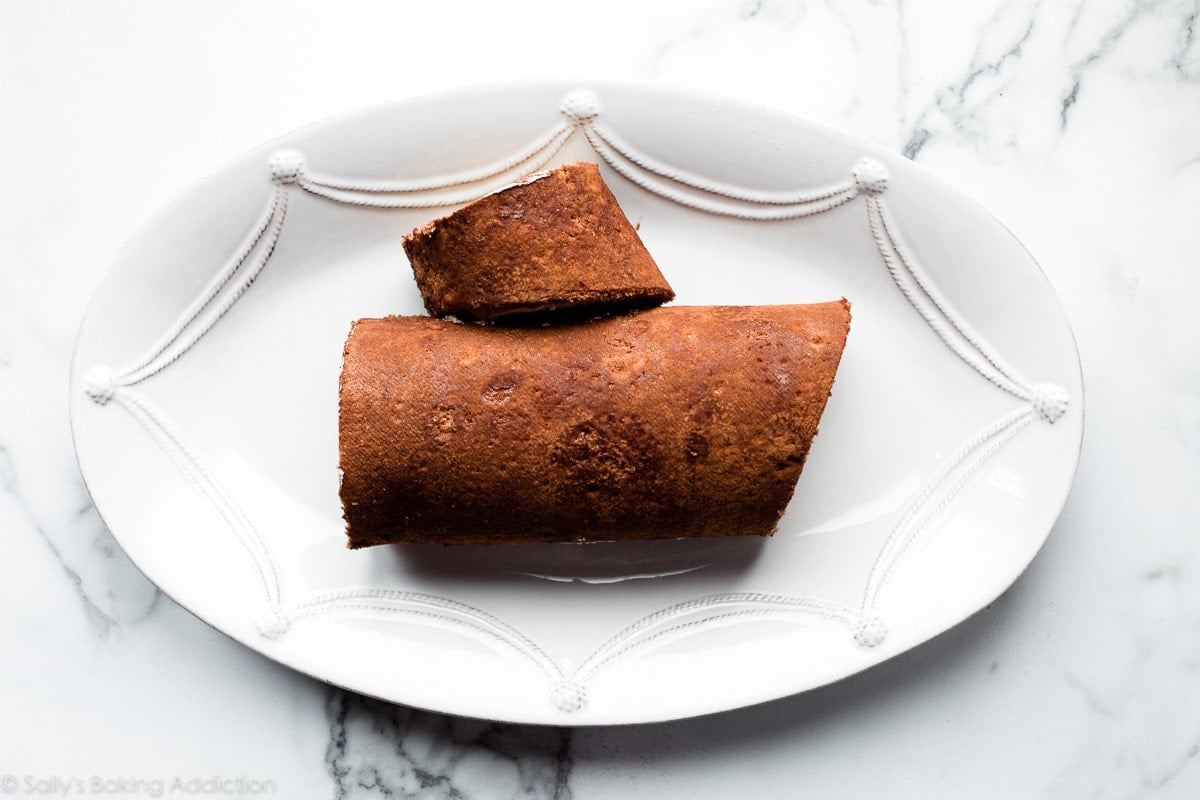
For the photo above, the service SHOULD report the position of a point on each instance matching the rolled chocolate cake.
(666, 423)
(555, 241)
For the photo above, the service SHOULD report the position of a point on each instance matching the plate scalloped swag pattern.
(580, 112)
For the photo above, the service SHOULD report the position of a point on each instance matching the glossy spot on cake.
(501, 387)
(697, 446)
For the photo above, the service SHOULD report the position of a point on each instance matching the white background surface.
(1076, 123)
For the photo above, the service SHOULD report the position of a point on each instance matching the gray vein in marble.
(780, 13)
(951, 99)
(379, 750)
(1107, 42)
(1169, 571)
(8, 476)
(751, 9)
(1141, 733)
(1173, 772)
(1187, 38)
(37, 471)
(1068, 101)
(1074, 23)
(1187, 41)
(1112, 37)
(103, 621)
(953, 109)
(562, 777)
(1091, 698)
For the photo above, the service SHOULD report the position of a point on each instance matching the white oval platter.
(204, 409)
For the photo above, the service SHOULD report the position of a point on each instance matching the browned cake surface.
(667, 423)
(557, 242)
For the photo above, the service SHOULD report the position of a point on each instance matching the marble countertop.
(1077, 123)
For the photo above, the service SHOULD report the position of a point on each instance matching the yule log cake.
(555, 241)
(673, 422)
